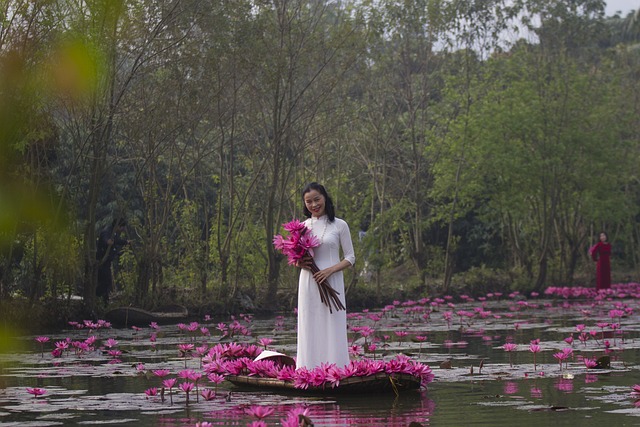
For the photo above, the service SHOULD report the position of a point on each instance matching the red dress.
(601, 253)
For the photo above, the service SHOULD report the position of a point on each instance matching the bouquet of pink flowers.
(297, 245)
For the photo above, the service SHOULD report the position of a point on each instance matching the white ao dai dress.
(322, 335)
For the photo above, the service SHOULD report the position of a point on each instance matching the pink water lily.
(187, 387)
(510, 348)
(562, 356)
(287, 373)
(302, 378)
(208, 394)
(170, 383)
(161, 372)
(534, 348)
(186, 374)
(297, 243)
(36, 391)
(110, 343)
(202, 351)
(589, 363)
(150, 392)
(42, 341)
(215, 378)
(185, 349)
(355, 350)
(62, 345)
(265, 342)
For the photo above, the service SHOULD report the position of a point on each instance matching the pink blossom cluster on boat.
(236, 359)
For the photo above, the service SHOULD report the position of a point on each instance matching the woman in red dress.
(601, 253)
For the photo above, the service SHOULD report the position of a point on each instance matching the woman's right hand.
(305, 262)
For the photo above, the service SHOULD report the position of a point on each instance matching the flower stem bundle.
(297, 245)
(328, 295)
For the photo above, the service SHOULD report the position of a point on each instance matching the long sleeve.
(346, 243)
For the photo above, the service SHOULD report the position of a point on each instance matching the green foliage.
(49, 264)
(480, 280)
(470, 160)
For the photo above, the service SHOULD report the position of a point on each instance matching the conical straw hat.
(276, 357)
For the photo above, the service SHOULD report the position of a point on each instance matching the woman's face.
(314, 201)
(603, 237)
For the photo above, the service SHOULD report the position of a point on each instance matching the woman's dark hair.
(329, 209)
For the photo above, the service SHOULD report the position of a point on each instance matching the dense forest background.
(471, 145)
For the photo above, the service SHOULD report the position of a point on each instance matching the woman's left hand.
(322, 275)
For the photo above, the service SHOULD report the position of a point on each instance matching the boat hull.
(378, 383)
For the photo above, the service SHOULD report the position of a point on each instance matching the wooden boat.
(377, 383)
(133, 316)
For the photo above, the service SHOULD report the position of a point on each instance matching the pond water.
(478, 349)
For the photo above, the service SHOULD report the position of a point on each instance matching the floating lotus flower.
(265, 342)
(584, 337)
(170, 383)
(161, 373)
(110, 343)
(208, 394)
(62, 345)
(215, 378)
(42, 341)
(187, 387)
(563, 356)
(510, 348)
(589, 362)
(150, 392)
(355, 350)
(535, 349)
(36, 391)
(185, 351)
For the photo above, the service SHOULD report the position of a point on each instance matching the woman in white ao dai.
(322, 335)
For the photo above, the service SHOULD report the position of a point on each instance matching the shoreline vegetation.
(21, 315)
